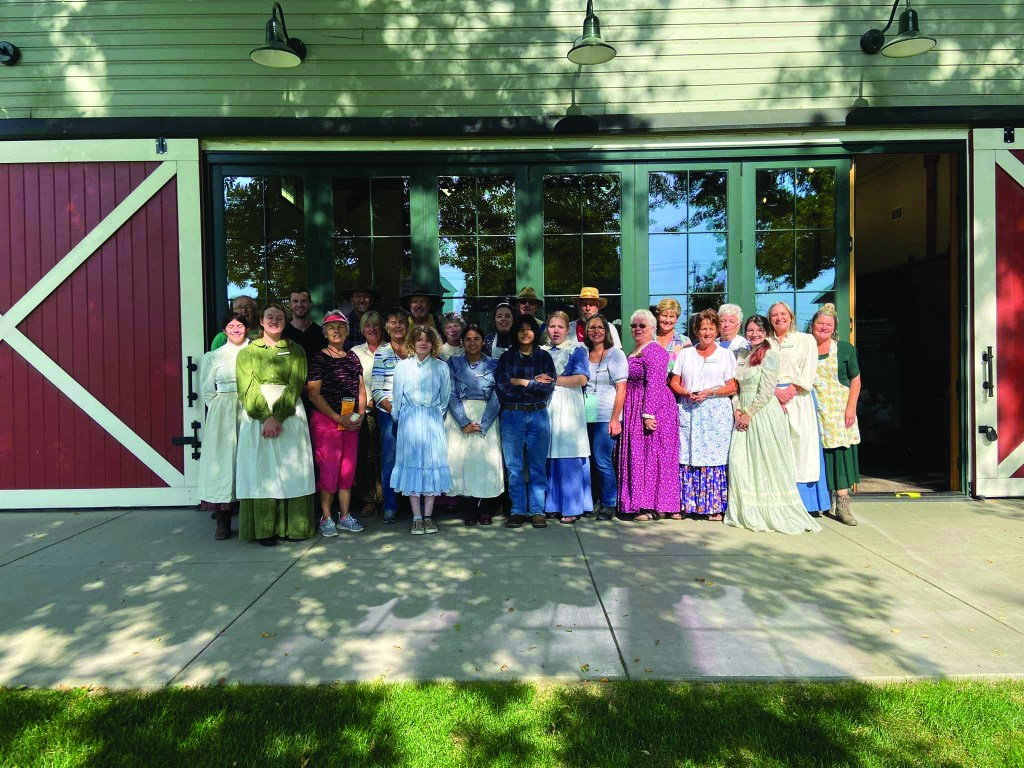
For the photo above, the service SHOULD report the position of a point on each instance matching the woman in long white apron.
(219, 390)
(569, 455)
(275, 458)
(798, 354)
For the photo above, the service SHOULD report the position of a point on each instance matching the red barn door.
(100, 304)
(998, 353)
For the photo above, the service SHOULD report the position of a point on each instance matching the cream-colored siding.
(717, 61)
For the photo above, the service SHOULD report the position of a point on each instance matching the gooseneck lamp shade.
(591, 49)
(908, 41)
(279, 51)
(9, 53)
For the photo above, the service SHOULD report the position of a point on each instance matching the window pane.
(816, 260)
(562, 204)
(774, 261)
(562, 265)
(392, 267)
(602, 202)
(284, 207)
(765, 300)
(602, 263)
(456, 205)
(243, 206)
(352, 263)
(458, 265)
(707, 201)
(706, 265)
(390, 206)
(816, 198)
(286, 268)
(497, 266)
(667, 263)
(666, 202)
(698, 302)
(246, 265)
(496, 205)
(775, 195)
(809, 303)
(351, 207)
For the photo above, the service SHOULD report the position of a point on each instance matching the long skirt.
(569, 487)
(368, 488)
(815, 495)
(287, 518)
(704, 490)
(475, 460)
(842, 467)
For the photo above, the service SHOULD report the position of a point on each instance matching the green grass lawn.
(945, 724)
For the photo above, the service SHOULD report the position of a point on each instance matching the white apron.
(279, 467)
(568, 413)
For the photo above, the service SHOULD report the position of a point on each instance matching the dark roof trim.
(994, 116)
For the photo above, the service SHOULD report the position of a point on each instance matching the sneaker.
(606, 513)
(349, 523)
(429, 526)
(327, 528)
(390, 516)
(418, 528)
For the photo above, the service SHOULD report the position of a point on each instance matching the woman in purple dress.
(649, 446)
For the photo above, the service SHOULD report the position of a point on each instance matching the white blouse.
(699, 373)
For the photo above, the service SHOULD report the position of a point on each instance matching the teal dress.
(762, 473)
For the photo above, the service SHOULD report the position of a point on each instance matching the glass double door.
(638, 232)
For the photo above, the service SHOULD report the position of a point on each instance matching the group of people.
(750, 422)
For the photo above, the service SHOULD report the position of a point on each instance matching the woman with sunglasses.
(649, 445)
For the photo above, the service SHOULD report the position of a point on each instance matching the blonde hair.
(828, 310)
(419, 331)
(669, 305)
(559, 314)
(789, 309)
(369, 317)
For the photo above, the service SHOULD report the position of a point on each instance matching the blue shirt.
(513, 364)
(473, 382)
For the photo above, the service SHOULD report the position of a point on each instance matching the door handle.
(192, 440)
(988, 383)
(192, 368)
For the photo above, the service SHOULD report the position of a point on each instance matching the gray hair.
(731, 309)
(645, 315)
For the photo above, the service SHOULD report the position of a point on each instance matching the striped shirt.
(383, 376)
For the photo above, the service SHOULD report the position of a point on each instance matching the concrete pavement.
(147, 598)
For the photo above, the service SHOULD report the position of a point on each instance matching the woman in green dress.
(762, 474)
(837, 386)
(275, 460)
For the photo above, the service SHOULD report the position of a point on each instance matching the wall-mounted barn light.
(590, 48)
(9, 53)
(908, 42)
(279, 51)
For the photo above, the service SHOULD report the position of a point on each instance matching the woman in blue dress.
(422, 388)
(474, 438)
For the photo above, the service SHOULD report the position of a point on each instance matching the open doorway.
(904, 301)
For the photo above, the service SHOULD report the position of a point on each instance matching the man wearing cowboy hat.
(360, 299)
(528, 302)
(588, 304)
(422, 305)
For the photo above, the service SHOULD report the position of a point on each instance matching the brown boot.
(223, 525)
(843, 514)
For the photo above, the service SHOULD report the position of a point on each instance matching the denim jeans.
(601, 446)
(531, 429)
(388, 444)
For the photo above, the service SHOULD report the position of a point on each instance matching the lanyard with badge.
(590, 392)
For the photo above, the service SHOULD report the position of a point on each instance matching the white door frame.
(990, 150)
(180, 161)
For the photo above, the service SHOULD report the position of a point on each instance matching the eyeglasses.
(638, 325)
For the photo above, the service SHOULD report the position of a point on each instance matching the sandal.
(569, 519)
(675, 516)
(644, 517)
(715, 518)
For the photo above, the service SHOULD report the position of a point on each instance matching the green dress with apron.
(836, 370)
